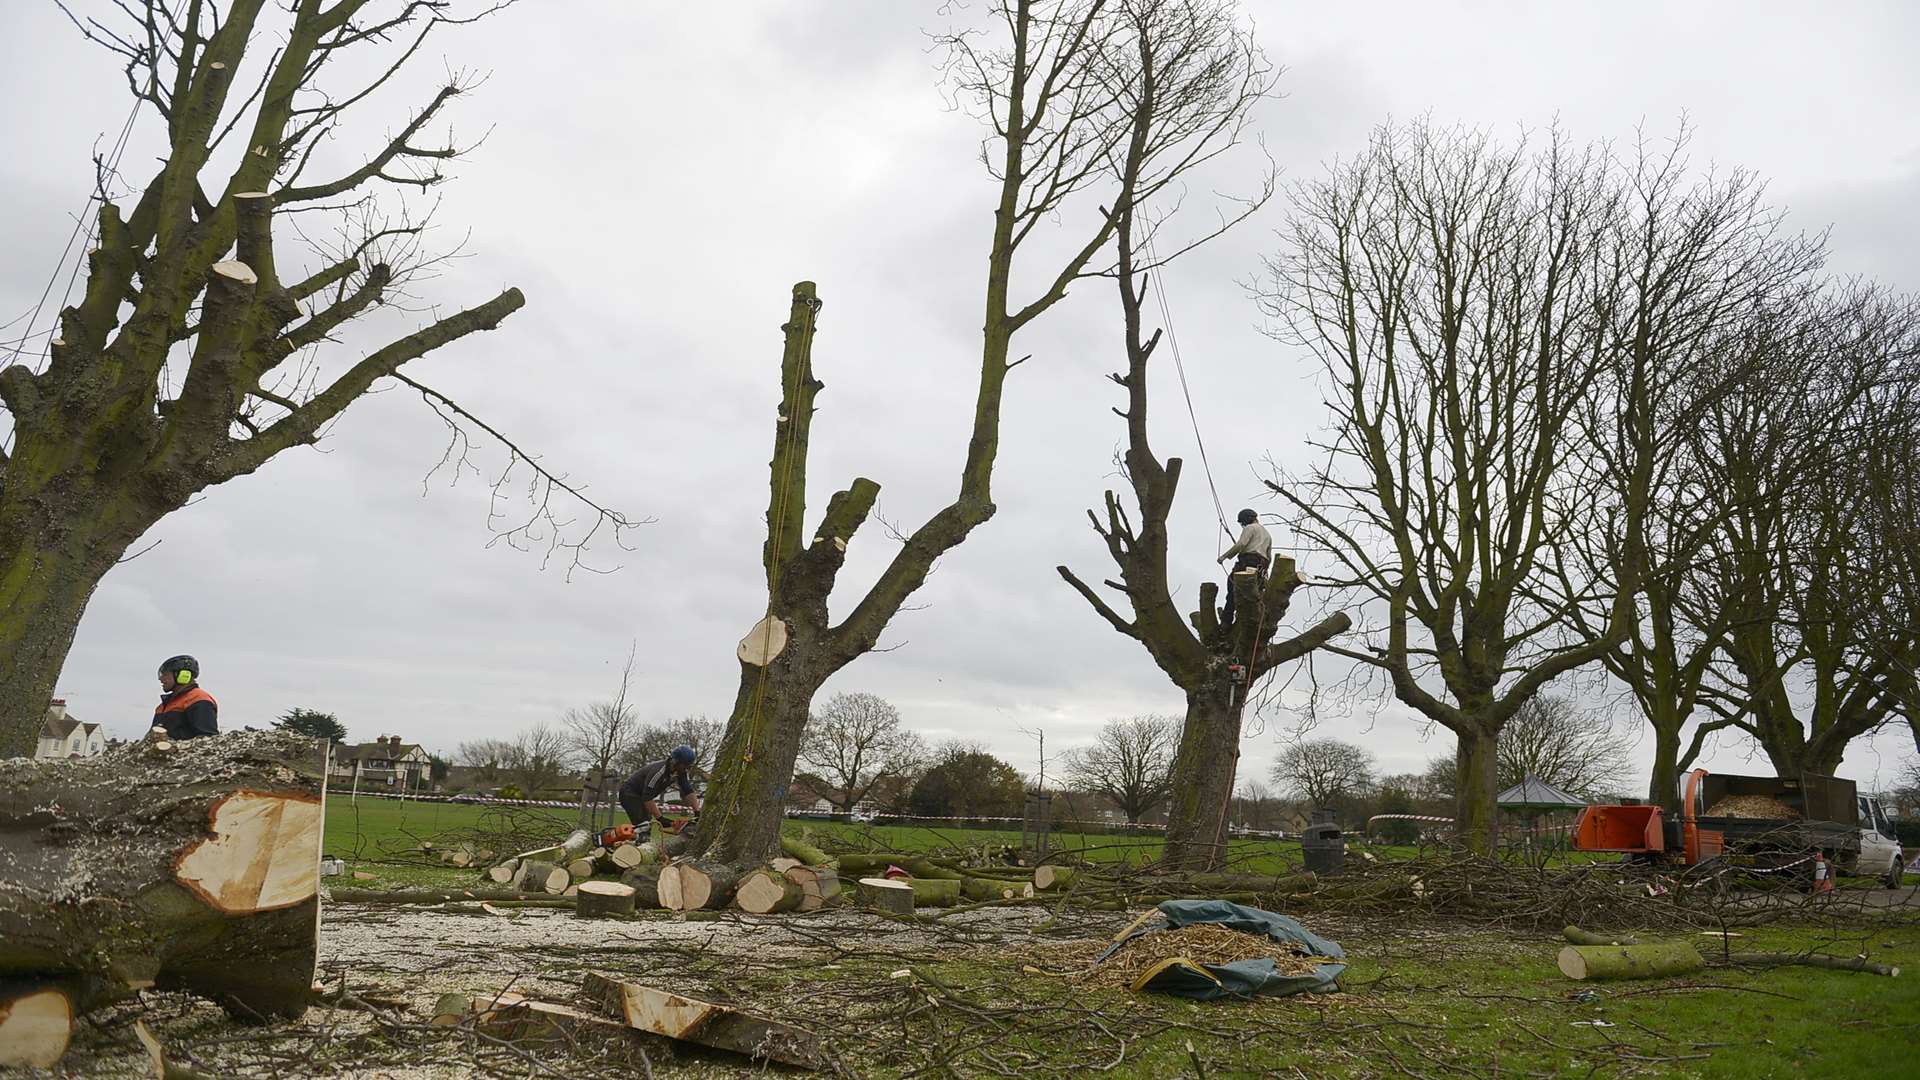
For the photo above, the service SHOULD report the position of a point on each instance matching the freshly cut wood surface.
(819, 887)
(885, 894)
(598, 899)
(676, 1016)
(36, 1022)
(262, 855)
(764, 892)
(693, 884)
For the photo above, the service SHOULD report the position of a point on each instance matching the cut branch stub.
(766, 641)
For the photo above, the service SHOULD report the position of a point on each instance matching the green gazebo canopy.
(1533, 793)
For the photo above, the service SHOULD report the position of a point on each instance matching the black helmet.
(176, 666)
(1248, 517)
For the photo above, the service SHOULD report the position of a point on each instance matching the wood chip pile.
(1765, 807)
(1202, 944)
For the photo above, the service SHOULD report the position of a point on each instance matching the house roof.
(1533, 793)
(378, 751)
(61, 726)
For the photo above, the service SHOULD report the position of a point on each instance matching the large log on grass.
(693, 884)
(794, 847)
(1651, 961)
(196, 867)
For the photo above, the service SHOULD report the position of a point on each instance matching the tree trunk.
(1629, 961)
(1196, 814)
(45, 584)
(209, 880)
(1663, 786)
(740, 818)
(1475, 818)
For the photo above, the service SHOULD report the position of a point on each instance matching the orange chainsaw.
(627, 834)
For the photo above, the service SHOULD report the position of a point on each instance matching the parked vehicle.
(1766, 823)
(1880, 852)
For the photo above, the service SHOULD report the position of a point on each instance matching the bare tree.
(1324, 771)
(1130, 763)
(486, 757)
(855, 743)
(1573, 749)
(537, 759)
(190, 358)
(1201, 72)
(600, 733)
(653, 742)
(1448, 286)
(1058, 91)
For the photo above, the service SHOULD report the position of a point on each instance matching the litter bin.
(1323, 845)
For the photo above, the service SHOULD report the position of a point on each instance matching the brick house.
(65, 736)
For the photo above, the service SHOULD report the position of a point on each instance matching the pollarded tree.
(1130, 762)
(1205, 70)
(190, 357)
(1451, 288)
(854, 743)
(1061, 92)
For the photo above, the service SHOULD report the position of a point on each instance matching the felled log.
(196, 868)
(1047, 876)
(626, 856)
(692, 884)
(537, 876)
(599, 899)
(658, 1012)
(885, 894)
(934, 892)
(420, 896)
(451, 1009)
(783, 864)
(1650, 961)
(1577, 936)
(36, 1022)
(504, 873)
(538, 1023)
(580, 869)
(819, 887)
(796, 848)
(645, 883)
(1819, 960)
(577, 843)
(764, 892)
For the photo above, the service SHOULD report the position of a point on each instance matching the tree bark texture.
(195, 868)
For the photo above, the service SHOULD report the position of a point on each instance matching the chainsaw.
(627, 834)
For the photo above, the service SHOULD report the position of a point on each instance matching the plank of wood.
(676, 1016)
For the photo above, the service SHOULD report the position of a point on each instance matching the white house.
(384, 762)
(64, 736)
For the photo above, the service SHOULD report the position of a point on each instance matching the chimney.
(58, 708)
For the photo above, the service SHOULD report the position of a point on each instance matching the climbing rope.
(1180, 368)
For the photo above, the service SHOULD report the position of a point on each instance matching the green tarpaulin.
(1245, 978)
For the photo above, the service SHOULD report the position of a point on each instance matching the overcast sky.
(655, 178)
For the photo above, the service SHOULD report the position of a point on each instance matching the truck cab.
(1880, 854)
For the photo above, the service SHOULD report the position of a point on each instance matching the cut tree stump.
(196, 870)
(818, 887)
(693, 884)
(1651, 961)
(885, 894)
(692, 1020)
(598, 899)
(764, 892)
(36, 1021)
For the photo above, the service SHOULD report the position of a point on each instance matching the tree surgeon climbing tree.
(1056, 91)
(1211, 69)
(191, 356)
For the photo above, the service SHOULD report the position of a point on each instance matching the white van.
(1880, 855)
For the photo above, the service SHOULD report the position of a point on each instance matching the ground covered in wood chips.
(995, 992)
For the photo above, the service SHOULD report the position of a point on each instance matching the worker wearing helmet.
(185, 711)
(640, 795)
(1252, 551)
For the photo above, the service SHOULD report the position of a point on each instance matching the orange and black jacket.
(188, 714)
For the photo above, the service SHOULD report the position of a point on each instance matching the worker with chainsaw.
(1252, 551)
(640, 795)
(185, 711)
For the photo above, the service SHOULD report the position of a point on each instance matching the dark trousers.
(1246, 561)
(635, 806)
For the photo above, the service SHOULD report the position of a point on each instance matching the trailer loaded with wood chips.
(1767, 823)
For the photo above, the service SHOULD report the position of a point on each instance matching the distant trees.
(966, 781)
(320, 725)
(1324, 772)
(1130, 763)
(652, 742)
(1574, 749)
(599, 734)
(855, 743)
